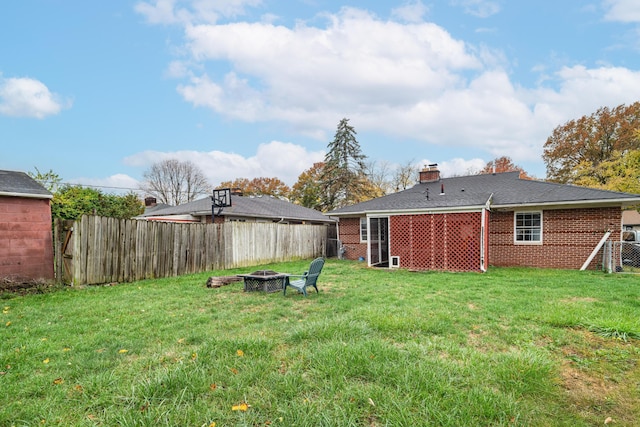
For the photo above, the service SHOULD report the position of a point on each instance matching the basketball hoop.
(221, 199)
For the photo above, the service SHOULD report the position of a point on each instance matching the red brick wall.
(349, 229)
(569, 237)
(26, 248)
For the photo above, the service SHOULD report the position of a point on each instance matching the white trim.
(366, 220)
(26, 195)
(528, 242)
(572, 204)
(421, 211)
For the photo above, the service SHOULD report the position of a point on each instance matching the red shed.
(26, 243)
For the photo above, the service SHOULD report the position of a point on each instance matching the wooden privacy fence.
(96, 250)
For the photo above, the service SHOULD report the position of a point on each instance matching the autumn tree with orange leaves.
(259, 186)
(307, 191)
(503, 164)
(593, 150)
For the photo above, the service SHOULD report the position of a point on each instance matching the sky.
(97, 92)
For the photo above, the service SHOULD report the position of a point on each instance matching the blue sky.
(99, 91)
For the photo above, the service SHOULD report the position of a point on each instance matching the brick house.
(468, 223)
(243, 208)
(26, 242)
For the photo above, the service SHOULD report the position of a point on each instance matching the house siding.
(26, 243)
(349, 229)
(569, 237)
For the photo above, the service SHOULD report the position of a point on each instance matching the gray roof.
(267, 207)
(500, 190)
(19, 184)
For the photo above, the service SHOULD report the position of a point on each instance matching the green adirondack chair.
(309, 278)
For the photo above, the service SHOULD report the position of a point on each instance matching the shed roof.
(19, 184)
(267, 207)
(500, 190)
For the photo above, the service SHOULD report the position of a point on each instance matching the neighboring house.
(631, 220)
(468, 223)
(26, 242)
(243, 208)
(151, 205)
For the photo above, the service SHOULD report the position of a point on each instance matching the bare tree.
(174, 182)
(405, 176)
(378, 173)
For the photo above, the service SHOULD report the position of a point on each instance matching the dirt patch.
(10, 287)
(579, 299)
(599, 377)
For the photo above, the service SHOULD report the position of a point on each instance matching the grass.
(512, 347)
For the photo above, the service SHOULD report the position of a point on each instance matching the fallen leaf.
(234, 371)
(241, 407)
(58, 381)
(181, 341)
(7, 324)
(213, 386)
(123, 351)
(194, 356)
(79, 388)
(240, 353)
(66, 349)
(609, 420)
(46, 360)
(212, 425)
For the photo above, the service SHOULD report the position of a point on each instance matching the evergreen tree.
(344, 179)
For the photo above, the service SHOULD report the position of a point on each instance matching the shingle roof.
(247, 206)
(19, 184)
(500, 190)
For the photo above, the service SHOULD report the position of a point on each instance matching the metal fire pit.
(264, 280)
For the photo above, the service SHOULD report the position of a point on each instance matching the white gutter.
(487, 207)
(412, 211)
(601, 202)
(26, 195)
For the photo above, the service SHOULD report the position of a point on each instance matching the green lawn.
(512, 347)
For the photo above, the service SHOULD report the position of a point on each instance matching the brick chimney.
(150, 202)
(430, 173)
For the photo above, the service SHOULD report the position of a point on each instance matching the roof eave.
(273, 217)
(387, 212)
(572, 204)
(26, 195)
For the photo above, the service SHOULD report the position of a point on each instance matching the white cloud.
(114, 184)
(622, 10)
(285, 161)
(413, 11)
(457, 166)
(479, 8)
(406, 78)
(26, 97)
(194, 11)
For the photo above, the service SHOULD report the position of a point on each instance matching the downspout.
(368, 242)
(483, 231)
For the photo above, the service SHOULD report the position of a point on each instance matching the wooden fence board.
(106, 250)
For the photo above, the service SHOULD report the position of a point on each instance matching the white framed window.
(527, 227)
(363, 229)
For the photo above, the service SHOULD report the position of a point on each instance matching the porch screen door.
(378, 240)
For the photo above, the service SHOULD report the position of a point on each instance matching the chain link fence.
(622, 257)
